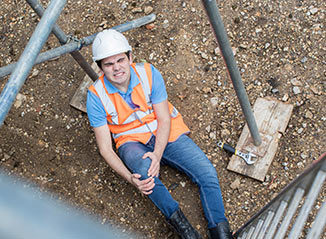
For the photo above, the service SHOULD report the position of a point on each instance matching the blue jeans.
(184, 155)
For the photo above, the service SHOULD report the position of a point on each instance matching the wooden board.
(79, 99)
(272, 117)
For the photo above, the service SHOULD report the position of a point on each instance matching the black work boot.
(180, 223)
(221, 231)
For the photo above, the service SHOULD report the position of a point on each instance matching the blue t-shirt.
(95, 110)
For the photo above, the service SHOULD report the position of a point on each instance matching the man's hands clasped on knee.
(145, 186)
(154, 169)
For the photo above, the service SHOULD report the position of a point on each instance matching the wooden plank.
(272, 117)
(78, 101)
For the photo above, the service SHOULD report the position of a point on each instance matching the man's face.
(117, 70)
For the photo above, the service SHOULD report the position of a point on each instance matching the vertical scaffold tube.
(222, 39)
(26, 60)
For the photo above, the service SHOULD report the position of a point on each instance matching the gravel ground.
(280, 50)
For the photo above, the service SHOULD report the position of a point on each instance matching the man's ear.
(99, 68)
(130, 58)
(100, 72)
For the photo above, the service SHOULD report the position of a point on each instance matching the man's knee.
(142, 166)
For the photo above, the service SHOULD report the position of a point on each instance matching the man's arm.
(163, 117)
(103, 139)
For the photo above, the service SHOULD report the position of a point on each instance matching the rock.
(313, 11)
(6, 156)
(267, 178)
(296, 82)
(150, 26)
(137, 10)
(204, 55)
(103, 23)
(165, 23)
(234, 50)
(35, 72)
(214, 101)
(309, 115)
(243, 46)
(257, 82)
(212, 135)
(300, 164)
(296, 90)
(224, 125)
(20, 98)
(285, 97)
(124, 6)
(225, 132)
(315, 90)
(236, 184)
(208, 128)
(207, 90)
(148, 10)
(304, 156)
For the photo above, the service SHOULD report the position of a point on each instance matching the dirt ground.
(280, 49)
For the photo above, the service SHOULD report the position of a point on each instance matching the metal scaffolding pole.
(37, 7)
(26, 61)
(222, 39)
(74, 46)
(26, 212)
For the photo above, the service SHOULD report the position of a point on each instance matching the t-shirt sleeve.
(158, 87)
(95, 110)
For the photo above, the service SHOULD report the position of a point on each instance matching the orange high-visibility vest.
(127, 124)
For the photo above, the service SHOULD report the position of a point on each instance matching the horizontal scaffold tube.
(77, 45)
(63, 39)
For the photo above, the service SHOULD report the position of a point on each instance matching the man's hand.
(144, 186)
(154, 169)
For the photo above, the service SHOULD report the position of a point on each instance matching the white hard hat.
(109, 43)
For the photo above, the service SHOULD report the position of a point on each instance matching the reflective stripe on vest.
(144, 82)
(148, 127)
(136, 115)
(109, 106)
(138, 124)
(107, 103)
